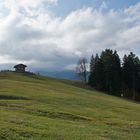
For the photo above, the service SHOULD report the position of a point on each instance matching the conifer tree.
(112, 71)
(91, 74)
(131, 69)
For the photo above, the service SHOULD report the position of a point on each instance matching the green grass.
(40, 108)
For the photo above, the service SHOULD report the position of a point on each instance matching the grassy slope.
(39, 108)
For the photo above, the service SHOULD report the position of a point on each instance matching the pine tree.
(131, 69)
(112, 71)
(96, 72)
(91, 74)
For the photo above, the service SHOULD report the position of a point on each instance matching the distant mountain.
(70, 75)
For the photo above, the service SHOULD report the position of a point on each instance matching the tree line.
(108, 73)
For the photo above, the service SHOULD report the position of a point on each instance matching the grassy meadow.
(41, 108)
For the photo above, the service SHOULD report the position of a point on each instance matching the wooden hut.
(20, 68)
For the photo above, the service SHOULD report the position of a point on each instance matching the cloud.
(31, 34)
(26, 3)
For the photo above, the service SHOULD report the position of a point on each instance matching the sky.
(53, 34)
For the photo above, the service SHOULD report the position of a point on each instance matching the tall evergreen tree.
(98, 73)
(96, 76)
(131, 69)
(112, 71)
(91, 74)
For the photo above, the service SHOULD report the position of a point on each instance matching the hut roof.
(19, 65)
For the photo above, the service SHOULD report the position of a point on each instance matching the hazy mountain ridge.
(67, 74)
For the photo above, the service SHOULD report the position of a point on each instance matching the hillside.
(41, 108)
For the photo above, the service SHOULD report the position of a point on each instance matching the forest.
(114, 76)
